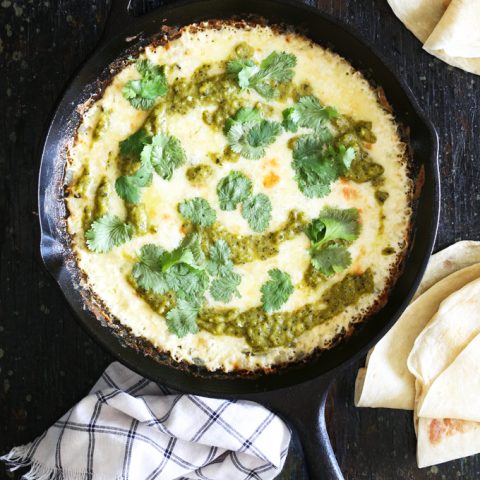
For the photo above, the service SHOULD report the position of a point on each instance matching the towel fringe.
(18, 458)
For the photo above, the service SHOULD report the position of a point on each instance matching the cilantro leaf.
(243, 115)
(274, 69)
(328, 233)
(243, 69)
(133, 145)
(192, 243)
(225, 286)
(128, 186)
(147, 272)
(278, 66)
(142, 93)
(189, 252)
(345, 156)
(277, 290)
(330, 259)
(263, 134)
(314, 176)
(248, 133)
(257, 210)
(310, 113)
(198, 211)
(233, 189)
(249, 139)
(128, 189)
(107, 232)
(187, 282)
(289, 122)
(219, 265)
(182, 319)
(181, 271)
(219, 258)
(160, 271)
(311, 145)
(334, 224)
(165, 154)
(317, 164)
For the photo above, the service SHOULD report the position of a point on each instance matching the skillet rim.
(219, 385)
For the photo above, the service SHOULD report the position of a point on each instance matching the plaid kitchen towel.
(129, 428)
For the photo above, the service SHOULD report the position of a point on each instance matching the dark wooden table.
(47, 362)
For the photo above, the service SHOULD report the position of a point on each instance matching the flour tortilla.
(456, 38)
(419, 16)
(451, 259)
(444, 360)
(442, 440)
(453, 327)
(386, 382)
(457, 33)
(455, 393)
(447, 29)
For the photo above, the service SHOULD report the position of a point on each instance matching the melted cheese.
(335, 83)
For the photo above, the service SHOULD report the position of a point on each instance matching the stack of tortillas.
(448, 29)
(429, 362)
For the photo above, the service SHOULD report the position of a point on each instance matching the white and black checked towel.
(129, 428)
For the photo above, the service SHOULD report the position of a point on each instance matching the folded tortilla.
(385, 382)
(455, 393)
(442, 440)
(454, 326)
(456, 38)
(457, 33)
(449, 260)
(447, 29)
(444, 360)
(419, 16)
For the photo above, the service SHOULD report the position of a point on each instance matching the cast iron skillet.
(298, 394)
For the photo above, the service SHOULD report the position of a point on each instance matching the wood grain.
(47, 362)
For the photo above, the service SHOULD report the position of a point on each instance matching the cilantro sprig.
(308, 112)
(165, 154)
(132, 146)
(161, 153)
(159, 270)
(143, 92)
(249, 134)
(277, 290)
(333, 224)
(265, 78)
(183, 271)
(182, 319)
(128, 187)
(317, 164)
(236, 188)
(317, 160)
(186, 272)
(106, 233)
(330, 234)
(220, 267)
(198, 211)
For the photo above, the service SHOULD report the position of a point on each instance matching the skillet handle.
(304, 408)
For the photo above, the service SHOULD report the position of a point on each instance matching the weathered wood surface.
(47, 362)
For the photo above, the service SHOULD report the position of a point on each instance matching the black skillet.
(298, 394)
